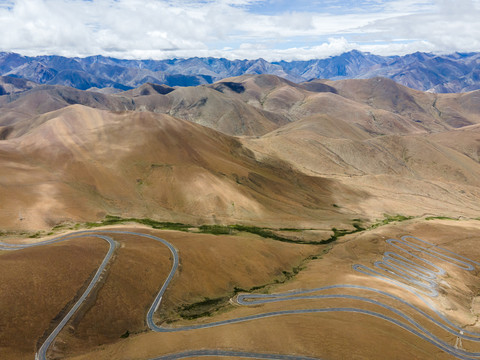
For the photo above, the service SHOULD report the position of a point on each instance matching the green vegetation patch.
(205, 307)
(216, 229)
(439, 218)
(291, 274)
(228, 229)
(36, 235)
(390, 218)
(209, 306)
(263, 232)
(339, 233)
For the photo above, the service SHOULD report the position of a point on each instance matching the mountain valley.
(227, 193)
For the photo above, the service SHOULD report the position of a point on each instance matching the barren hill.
(11, 85)
(43, 99)
(82, 163)
(211, 108)
(368, 147)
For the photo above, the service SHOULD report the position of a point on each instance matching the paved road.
(42, 352)
(418, 276)
(223, 353)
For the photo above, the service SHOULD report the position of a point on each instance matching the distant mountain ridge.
(422, 71)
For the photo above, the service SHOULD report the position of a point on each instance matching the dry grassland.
(210, 267)
(335, 335)
(36, 284)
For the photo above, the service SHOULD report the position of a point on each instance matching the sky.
(237, 29)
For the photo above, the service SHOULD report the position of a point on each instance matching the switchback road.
(405, 268)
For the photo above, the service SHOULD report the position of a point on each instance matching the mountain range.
(325, 162)
(255, 149)
(421, 71)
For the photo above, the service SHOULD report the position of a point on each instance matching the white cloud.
(449, 26)
(227, 28)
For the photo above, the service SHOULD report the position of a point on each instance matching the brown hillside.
(372, 135)
(403, 174)
(82, 163)
(147, 89)
(295, 102)
(459, 110)
(465, 140)
(43, 99)
(258, 104)
(12, 85)
(213, 109)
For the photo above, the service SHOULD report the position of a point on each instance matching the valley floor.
(332, 307)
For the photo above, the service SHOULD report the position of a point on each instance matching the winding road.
(404, 268)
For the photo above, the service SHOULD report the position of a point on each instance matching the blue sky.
(271, 29)
(272, 7)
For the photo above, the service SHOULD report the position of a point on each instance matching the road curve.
(42, 352)
(417, 276)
